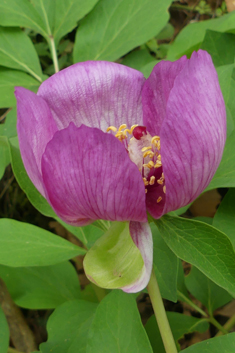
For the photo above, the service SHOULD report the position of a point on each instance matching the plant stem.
(228, 326)
(216, 324)
(160, 314)
(54, 54)
(194, 306)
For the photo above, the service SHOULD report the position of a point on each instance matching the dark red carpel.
(139, 131)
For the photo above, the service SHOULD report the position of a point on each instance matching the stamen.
(133, 126)
(159, 157)
(148, 153)
(149, 165)
(146, 148)
(145, 182)
(159, 199)
(112, 128)
(164, 189)
(158, 164)
(123, 126)
(146, 191)
(152, 180)
(155, 139)
(158, 145)
(127, 130)
(160, 181)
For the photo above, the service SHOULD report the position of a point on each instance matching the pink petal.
(194, 131)
(36, 128)
(95, 93)
(156, 91)
(142, 237)
(88, 176)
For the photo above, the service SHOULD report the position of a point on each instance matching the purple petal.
(156, 91)
(36, 128)
(88, 176)
(142, 237)
(194, 131)
(95, 93)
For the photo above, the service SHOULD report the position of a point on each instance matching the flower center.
(144, 151)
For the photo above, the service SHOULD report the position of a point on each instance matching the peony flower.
(99, 141)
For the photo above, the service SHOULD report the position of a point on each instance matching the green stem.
(54, 53)
(189, 302)
(160, 314)
(228, 326)
(214, 322)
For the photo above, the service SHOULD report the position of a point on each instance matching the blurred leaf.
(209, 294)
(225, 174)
(191, 36)
(221, 47)
(114, 261)
(113, 28)
(4, 155)
(166, 33)
(180, 325)
(182, 290)
(224, 218)
(68, 327)
(4, 333)
(8, 80)
(43, 287)
(17, 52)
(203, 246)
(165, 266)
(147, 69)
(37, 200)
(117, 327)
(22, 244)
(226, 76)
(223, 344)
(8, 128)
(137, 59)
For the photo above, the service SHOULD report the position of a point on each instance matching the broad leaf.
(203, 246)
(115, 27)
(68, 327)
(18, 52)
(117, 327)
(165, 266)
(22, 244)
(8, 128)
(224, 218)
(4, 155)
(180, 325)
(137, 59)
(43, 287)
(191, 37)
(223, 344)
(4, 333)
(209, 294)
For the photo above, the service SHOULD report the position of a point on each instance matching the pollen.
(112, 128)
(159, 199)
(148, 153)
(149, 165)
(145, 182)
(146, 148)
(158, 164)
(164, 189)
(121, 127)
(152, 180)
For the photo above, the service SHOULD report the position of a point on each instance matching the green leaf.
(221, 47)
(209, 294)
(37, 200)
(4, 155)
(18, 52)
(23, 244)
(68, 327)
(180, 325)
(113, 28)
(182, 290)
(223, 344)
(4, 333)
(43, 287)
(137, 59)
(191, 37)
(226, 76)
(8, 80)
(147, 69)
(165, 266)
(203, 246)
(224, 218)
(8, 128)
(117, 327)
(114, 261)
(225, 174)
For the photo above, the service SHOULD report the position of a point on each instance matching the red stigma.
(139, 131)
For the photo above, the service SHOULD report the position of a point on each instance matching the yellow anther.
(148, 153)
(152, 180)
(145, 181)
(146, 148)
(154, 139)
(127, 130)
(160, 181)
(158, 145)
(121, 127)
(146, 191)
(158, 164)
(159, 199)
(159, 157)
(163, 176)
(133, 126)
(112, 128)
(164, 189)
(149, 165)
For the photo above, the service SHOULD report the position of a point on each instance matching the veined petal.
(36, 127)
(88, 176)
(142, 237)
(194, 131)
(156, 91)
(95, 93)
